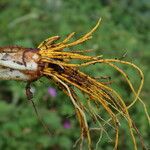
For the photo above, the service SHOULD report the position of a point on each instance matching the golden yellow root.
(59, 67)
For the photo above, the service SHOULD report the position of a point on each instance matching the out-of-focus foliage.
(125, 28)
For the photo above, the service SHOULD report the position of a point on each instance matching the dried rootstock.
(52, 61)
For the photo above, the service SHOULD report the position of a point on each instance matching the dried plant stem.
(50, 60)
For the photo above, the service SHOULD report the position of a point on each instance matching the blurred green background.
(125, 28)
